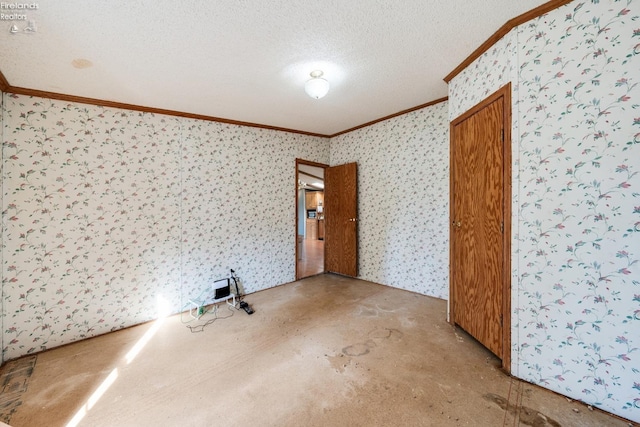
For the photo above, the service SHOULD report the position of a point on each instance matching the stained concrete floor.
(324, 351)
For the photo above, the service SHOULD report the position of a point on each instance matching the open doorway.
(310, 225)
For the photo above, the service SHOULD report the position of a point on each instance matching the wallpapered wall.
(107, 213)
(1, 228)
(576, 144)
(403, 199)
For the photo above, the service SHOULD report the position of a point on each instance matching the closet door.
(341, 219)
(479, 245)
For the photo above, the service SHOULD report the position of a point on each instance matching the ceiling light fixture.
(316, 87)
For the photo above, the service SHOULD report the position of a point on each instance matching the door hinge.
(502, 134)
(502, 227)
(501, 321)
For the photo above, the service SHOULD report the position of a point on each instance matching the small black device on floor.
(243, 304)
(246, 307)
(223, 291)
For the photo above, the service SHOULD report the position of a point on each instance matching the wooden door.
(479, 245)
(341, 219)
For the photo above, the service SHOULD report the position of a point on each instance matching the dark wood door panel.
(477, 225)
(341, 224)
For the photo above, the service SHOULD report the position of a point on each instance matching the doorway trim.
(295, 235)
(505, 93)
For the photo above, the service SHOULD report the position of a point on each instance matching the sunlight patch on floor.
(163, 311)
(94, 398)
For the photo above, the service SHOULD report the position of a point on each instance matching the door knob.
(456, 224)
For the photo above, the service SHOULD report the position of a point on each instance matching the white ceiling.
(312, 176)
(247, 60)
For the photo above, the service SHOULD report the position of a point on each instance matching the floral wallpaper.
(1, 230)
(107, 213)
(239, 198)
(576, 145)
(497, 67)
(403, 199)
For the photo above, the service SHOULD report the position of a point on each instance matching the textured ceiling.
(313, 176)
(247, 60)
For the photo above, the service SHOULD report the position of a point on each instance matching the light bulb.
(316, 87)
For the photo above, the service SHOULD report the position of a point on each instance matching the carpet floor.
(323, 351)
